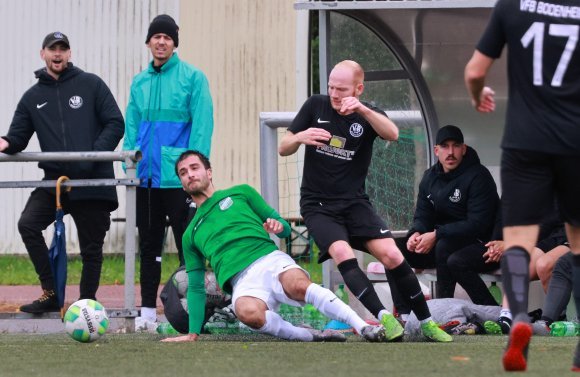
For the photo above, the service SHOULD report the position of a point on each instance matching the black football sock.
(576, 281)
(410, 290)
(515, 273)
(360, 286)
(399, 302)
(559, 289)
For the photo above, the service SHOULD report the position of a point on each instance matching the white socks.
(332, 307)
(149, 314)
(277, 326)
(382, 313)
(505, 313)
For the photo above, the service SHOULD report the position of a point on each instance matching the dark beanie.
(166, 25)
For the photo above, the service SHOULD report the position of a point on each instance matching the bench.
(427, 277)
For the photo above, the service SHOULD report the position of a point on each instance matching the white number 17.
(536, 33)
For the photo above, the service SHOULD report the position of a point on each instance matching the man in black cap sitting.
(456, 207)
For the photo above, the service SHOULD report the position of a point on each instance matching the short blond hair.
(357, 70)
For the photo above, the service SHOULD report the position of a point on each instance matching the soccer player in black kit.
(338, 132)
(541, 142)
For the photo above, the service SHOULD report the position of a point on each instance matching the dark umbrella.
(57, 251)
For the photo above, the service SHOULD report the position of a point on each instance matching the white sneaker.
(145, 325)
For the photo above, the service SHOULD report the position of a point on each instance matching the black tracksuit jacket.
(75, 113)
(459, 204)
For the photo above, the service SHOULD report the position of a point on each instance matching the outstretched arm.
(196, 297)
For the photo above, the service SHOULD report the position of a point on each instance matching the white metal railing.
(130, 158)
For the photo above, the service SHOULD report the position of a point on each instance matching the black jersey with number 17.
(543, 39)
(338, 169)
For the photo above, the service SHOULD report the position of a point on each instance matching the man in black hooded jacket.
(70, 110)
(456, 207)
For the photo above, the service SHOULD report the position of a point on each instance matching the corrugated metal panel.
(247, 49)
(107, 38)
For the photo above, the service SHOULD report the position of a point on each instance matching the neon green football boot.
(432, 332)
(492, 327)
(393, 329)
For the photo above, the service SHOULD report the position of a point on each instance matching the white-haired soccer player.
(231, 230)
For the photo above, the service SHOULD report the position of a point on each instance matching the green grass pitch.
(256, 356)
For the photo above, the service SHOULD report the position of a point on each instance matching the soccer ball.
(214, 294)
(180, 282)
(86, 321)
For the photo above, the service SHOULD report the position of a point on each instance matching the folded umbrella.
(57, 251)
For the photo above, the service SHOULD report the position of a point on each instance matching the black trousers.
(442, 258)
(465, 265)
(154, 206)
(92, 219)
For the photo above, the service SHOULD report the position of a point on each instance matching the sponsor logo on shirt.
(75, 102)
(335, 148)
(328, 150)
(456, 197)
(226, 203)
(356, 130)
(337, 142)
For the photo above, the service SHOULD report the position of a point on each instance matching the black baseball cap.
(54, 38)
(449, 132)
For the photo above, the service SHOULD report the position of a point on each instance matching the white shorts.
(260, 280)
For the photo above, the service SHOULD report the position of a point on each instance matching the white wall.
(107, 38)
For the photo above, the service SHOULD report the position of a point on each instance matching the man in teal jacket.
(170, 110)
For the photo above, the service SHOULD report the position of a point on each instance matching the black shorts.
(556, 238)
(531, 180)
(354, 221)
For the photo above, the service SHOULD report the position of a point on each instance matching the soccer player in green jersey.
(231, 230)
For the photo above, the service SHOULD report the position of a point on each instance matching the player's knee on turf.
(251, 311)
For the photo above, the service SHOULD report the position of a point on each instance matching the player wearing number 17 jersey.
(541, 143)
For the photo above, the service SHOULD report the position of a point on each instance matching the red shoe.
(516, 353)
(576, 364)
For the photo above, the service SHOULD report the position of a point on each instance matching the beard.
(198, 188)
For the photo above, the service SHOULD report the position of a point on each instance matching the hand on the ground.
(184, 338)
(273, 226)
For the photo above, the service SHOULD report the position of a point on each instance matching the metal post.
(130, 158)
(130, 225)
